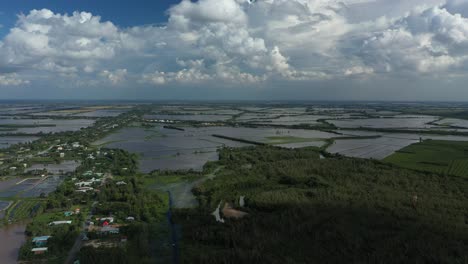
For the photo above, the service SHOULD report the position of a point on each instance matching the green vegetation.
(23, 209)
(290, 139)
(302, 209)
(120, 201)
(445, 157)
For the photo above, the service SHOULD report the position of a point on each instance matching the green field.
(445, 157)
(22, 209)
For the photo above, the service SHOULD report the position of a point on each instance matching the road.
(78, 242)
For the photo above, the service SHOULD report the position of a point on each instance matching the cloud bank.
(229, 43)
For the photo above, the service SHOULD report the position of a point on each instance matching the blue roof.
(41, 238)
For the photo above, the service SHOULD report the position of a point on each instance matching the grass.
(445, 157)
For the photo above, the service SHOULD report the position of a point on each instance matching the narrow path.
(175, 247)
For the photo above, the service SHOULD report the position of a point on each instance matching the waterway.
(11, 238)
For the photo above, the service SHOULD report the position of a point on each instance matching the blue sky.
(125, 13)
(234, 49)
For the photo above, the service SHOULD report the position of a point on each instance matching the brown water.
(11, 239)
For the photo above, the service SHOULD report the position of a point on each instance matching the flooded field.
(43, 187)
(64, 167)
(293, 120)
(29, 187)
(382, 147)
(453, 122)
(49, 125)
(397, 122)
(161, 148)
(203, 118)
(103, 113)
(6, 142)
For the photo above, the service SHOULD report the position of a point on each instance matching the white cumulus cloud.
(240, 41)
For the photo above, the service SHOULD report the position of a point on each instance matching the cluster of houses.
(40, 243)
(106, 225)
(161, 121)
(87, 185)
(62, 148)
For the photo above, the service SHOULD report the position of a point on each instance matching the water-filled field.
(19, 186)
(103, 113)
(397, 122)
(43, 125)
(64, 167)
(6, 142)
(43, 187)
(204, 118)
(383, 146)
(453, 122)
(30, 187)
(161, 148)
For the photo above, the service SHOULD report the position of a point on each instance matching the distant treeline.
(173, 127)
(239, 140)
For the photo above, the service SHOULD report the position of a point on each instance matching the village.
(76, 210)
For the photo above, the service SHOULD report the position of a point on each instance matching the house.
(77, 210)
(121, 183)
(76, 145)
(108, 219)
(40, 241)
(62, 155)
(84, 189)
(130, 218)
(39, 251)
(59, 223)
(109, 230)
(88, 173)
(87, 183)
(83, 183)
(68, 213)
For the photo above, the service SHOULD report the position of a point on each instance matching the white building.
(60, 223)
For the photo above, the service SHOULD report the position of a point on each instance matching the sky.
(410, 50)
